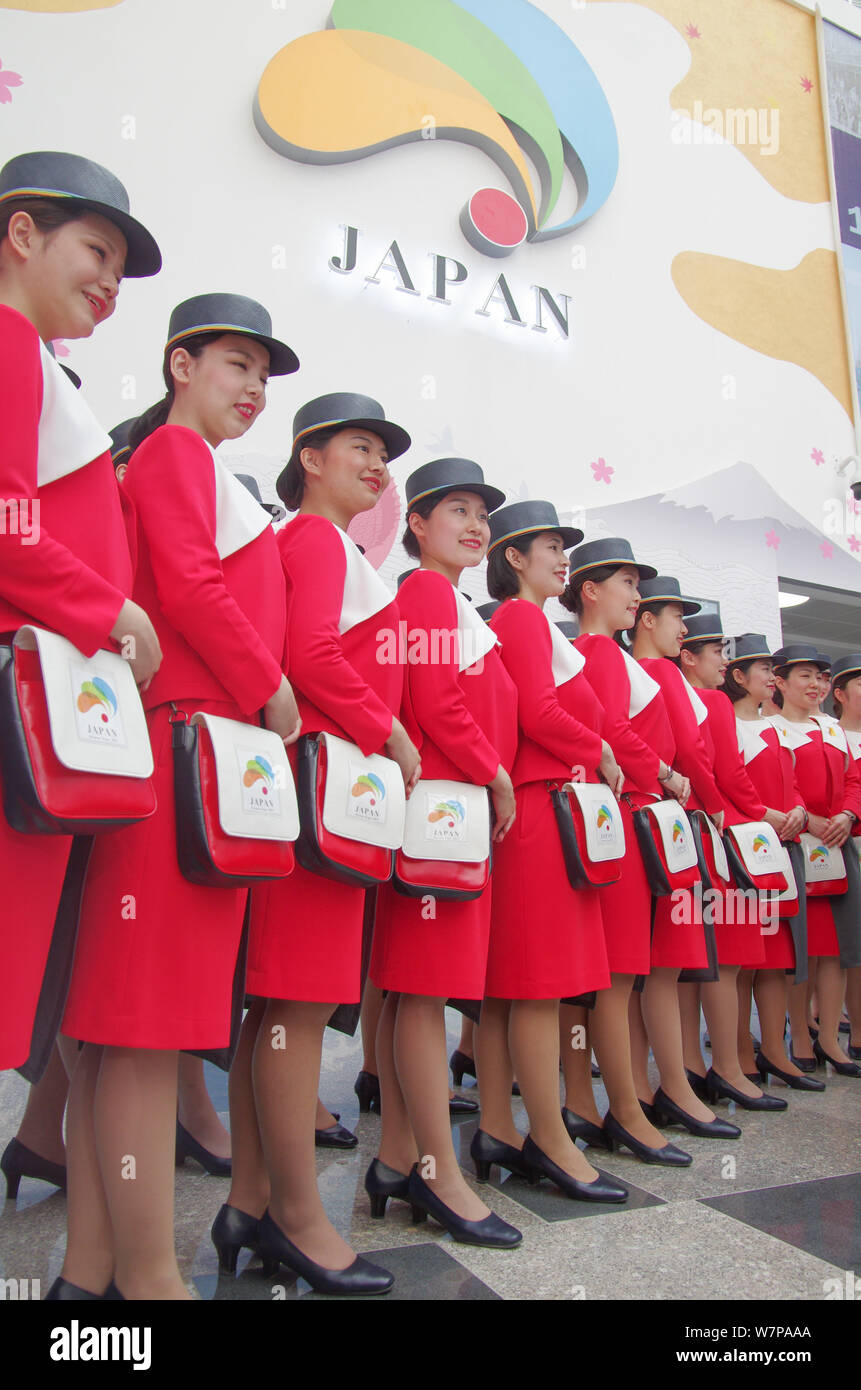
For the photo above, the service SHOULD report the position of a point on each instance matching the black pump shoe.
(722, 1090)
(20, 1162)
(335, 1137)
(805, 1064)
(648, 1110)
(669, 1155)
(383, 1183)
(61, 1291)
(367, 1088)
(485, 1151)
(600, 1190)
(798, 1083)
(697, 1083)
(854, 1052)
(359, 1278)
(841, 1068)
(578, 1128)
(462, 1105)
(490, 1231)
(231, 1230)
(671, 1114)
(461, 1066)
(188, 1147)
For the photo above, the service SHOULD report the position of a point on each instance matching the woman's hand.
(717, 820)
(139, 642)
(838, 829)
(504, 805)
(678, 787)
(610, 770)
(401, 748)
(818, 826)
(793, 825)
(776, 819)
(281, 713)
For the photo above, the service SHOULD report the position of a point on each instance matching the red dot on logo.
(265, 791)
(451, 825)
(104, 718)
(373, 802)
(497, 218)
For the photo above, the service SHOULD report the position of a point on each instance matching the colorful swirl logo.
(604, 816)
(760, 843)
(678, 832)
(98, 692)
(819, 854)
(497, 74)
(452, 811)
(369, 784)
(257, 769)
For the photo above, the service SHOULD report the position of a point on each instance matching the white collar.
(853, 738)
(750, 740)
(364, 591)
(70, 436)
(832, 732)
(790, 735)
(697, 704)
(566, 661)
(239, 518)
(475, 638)
(643, 687)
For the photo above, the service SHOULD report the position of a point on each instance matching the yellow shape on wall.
(758, 56)
(792, 315)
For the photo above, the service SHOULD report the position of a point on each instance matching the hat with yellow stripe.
(528, 519)
(230, 313)
(440, 476)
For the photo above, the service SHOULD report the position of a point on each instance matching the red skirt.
(32, 868)
(305, 940)
(546, 938)
(821, 931)
(779, 947)
(738, 929)
(156, 954)
(678, 945)
(443, 955)
(626, 909)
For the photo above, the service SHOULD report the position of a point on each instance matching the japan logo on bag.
(679, 840)
(605, 825)
(763, 851)
(367, 796)
(818, 858)
(259, 790)
(97, 712)
(446, 820)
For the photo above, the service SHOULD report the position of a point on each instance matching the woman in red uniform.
(547, 946)
(157, 954)
(678, 932)
(766, 750)
(66, 241)
(828, 780)
(464, 706)
(846, 693)
(602, 591)
(306, 933)
(738, 944)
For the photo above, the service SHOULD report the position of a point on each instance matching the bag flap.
(256, 795)
(449, 821)
(364, 798)
(718, 851)
(95, 713)
(761, 850)
(821, 864)
(677, 837)
(602, 819)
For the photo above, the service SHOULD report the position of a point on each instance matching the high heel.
(805, 1064)
(648, 1110)
(485, 1151)
(231, 1230)
(697, 1083)
(671, 1114)
(20, 1162)
(753, 1076)
(601, 1190)
(188, 1147)
(335, 1137)
(798, 1083)
(669, 1155)
(61, 1291)
(491, 1231)
(578, 1128)
(462, 1105)
(461, 1066)
(841, 1068)
(367, 1088)
(383, 1183)
(718, 1089)
(359, 1278)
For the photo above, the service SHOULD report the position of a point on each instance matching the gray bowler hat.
(341, 410)
(750, 646)
(664, 589)
(704, 627)
(451, 475)
(230, 313)
(800, 654)
(847, 666)
(611, 551)
(87, 186)
(526, 519)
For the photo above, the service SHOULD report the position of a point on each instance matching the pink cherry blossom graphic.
(60, 349)
(8, 79)
(693, 32)
(854, 544)
(817, 456)
(852, 506)
(376, 529)
(772, 539)
(602, 471)
(827, 550)
(807, 84)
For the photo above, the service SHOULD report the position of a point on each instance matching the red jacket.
(641, 742)
(740, 798)
(691, 757)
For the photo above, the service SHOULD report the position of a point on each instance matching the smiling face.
(70, 275)
(824, 678)
(800, 687)
(757, 680)
(221, 392)
(614, 601)
(348, 475)
(456, 534)
(707, 665)
(543, 570)
(666, 628)
(847, 701)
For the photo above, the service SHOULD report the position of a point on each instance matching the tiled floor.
(775, 1215)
